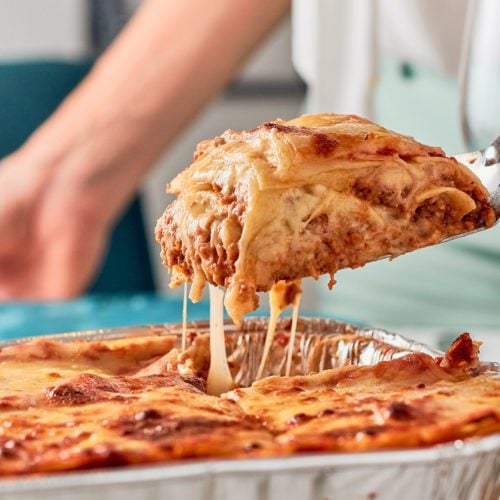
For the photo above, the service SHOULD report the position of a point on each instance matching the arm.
(75, 174)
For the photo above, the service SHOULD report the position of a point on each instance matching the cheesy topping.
(413, 401)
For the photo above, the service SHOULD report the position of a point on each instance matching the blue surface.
(102, 311)
(29, 93)
(92, 312)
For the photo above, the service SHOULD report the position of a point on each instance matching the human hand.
(62, 190)
(51, 244)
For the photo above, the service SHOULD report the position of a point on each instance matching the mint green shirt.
(456, 284)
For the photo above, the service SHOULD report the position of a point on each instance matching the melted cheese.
(184, 317)
(407, 402)
(87, 422)
(293, 331)
(26, 369)
(219, 377)
(282, 294)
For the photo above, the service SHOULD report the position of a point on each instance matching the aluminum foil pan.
(466, 470)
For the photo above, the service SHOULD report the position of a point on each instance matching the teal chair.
(29, 93)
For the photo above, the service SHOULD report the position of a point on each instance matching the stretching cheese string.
(275, 311)
(184, 317)
(278, 301)
(219, 377)
(291, 341)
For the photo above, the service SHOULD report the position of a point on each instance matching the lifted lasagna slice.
(306, 197)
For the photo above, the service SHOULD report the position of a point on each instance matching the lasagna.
(82, 405)
(412, 401)
(305, 197)
(93, 404)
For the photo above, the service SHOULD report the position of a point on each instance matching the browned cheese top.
(81, 405)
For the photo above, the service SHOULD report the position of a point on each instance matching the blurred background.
(47, 47)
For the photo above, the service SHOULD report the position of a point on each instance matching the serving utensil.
(485, 164)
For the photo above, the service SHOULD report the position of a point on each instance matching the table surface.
(92, 312)
(103, 311)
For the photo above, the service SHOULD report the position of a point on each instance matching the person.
(40, 64)
(399, 63)
(64, 188)
(72, 178)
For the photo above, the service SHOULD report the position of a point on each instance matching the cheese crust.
(81, 405)
(412, 401)
(307, 197)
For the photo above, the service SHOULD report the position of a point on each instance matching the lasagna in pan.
(94, 404)
(307, 197)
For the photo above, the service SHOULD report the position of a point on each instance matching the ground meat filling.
(324, 246)
(213, 246)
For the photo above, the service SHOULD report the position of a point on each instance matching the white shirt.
(350, 53)
(337, 45)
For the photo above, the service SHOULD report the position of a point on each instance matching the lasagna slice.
(307, 197)
(412, 401)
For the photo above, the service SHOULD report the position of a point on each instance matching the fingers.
(20, 194)
(56, 265)
(62, 274)
(73, 260)
(16, 279)
(49, 247)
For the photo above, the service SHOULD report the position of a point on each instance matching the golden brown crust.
(159, 423)
(412, 401)
(64, 407)
(82, 414)
(307, 197)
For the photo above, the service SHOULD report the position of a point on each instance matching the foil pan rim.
(175, 328)
(308, 462)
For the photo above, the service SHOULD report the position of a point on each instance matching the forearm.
(169, 61)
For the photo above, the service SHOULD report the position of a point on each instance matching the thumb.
(22, 192)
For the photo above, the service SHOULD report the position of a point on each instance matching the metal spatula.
(486, 165)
